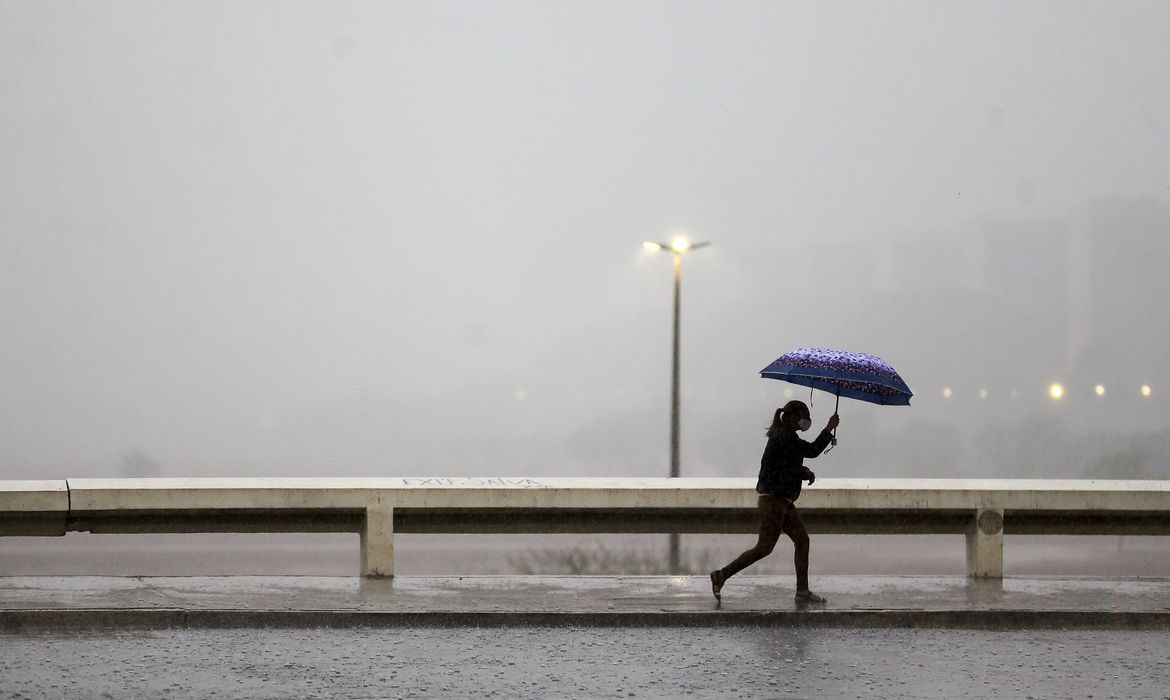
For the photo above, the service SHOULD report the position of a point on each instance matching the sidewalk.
(72, 602)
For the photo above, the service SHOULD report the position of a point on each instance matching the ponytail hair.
(787, 416)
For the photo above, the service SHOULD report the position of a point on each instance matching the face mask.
(805, 423)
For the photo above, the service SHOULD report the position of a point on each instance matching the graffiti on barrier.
(470, 482)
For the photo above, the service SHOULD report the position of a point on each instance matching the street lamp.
(679, 245)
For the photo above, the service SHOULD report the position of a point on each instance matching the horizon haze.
(405, 239)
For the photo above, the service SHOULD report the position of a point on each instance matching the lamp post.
(679, 246)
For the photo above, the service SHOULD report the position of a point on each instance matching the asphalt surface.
(542, 662)
(611, 636)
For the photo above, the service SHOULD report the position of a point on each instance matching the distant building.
(1024, 292)
(1126, 324)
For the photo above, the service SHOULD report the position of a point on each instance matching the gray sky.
(404, 238)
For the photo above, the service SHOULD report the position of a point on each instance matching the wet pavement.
(544, 662)
(581, 636)
(854, 601)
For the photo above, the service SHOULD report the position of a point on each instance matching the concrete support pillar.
(378, 542)
(985, 544)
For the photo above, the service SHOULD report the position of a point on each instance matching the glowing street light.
(1146, 390)
(1056, 391)
(947, 392)
(1100, 389)
(678, 245)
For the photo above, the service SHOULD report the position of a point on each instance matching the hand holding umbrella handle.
(834, 421)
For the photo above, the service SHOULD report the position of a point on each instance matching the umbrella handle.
(835, 407)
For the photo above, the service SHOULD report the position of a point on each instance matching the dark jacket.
(782, 466)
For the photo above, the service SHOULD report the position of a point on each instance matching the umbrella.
(854, 375)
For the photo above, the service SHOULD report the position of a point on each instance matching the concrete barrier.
(981, 509)
(33, 508)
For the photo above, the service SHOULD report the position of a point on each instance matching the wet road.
(593, 662)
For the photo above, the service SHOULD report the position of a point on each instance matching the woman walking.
(781, 472)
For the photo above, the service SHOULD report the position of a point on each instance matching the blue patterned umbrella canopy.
(853, 375)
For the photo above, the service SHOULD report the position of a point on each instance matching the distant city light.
(983, 393)
(1056, 391)
(1146, 390)
(947, 393)
(1100, 389)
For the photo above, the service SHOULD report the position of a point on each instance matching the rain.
(378, 239)
(445, 242)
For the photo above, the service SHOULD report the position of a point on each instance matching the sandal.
(717, 582)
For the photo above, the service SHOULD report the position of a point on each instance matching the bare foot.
(809, 597)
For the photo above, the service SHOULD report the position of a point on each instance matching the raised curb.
(15, 621)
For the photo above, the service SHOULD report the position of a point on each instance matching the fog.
(347, 239)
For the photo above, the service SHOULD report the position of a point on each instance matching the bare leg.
(772, 510)
(794, 528)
